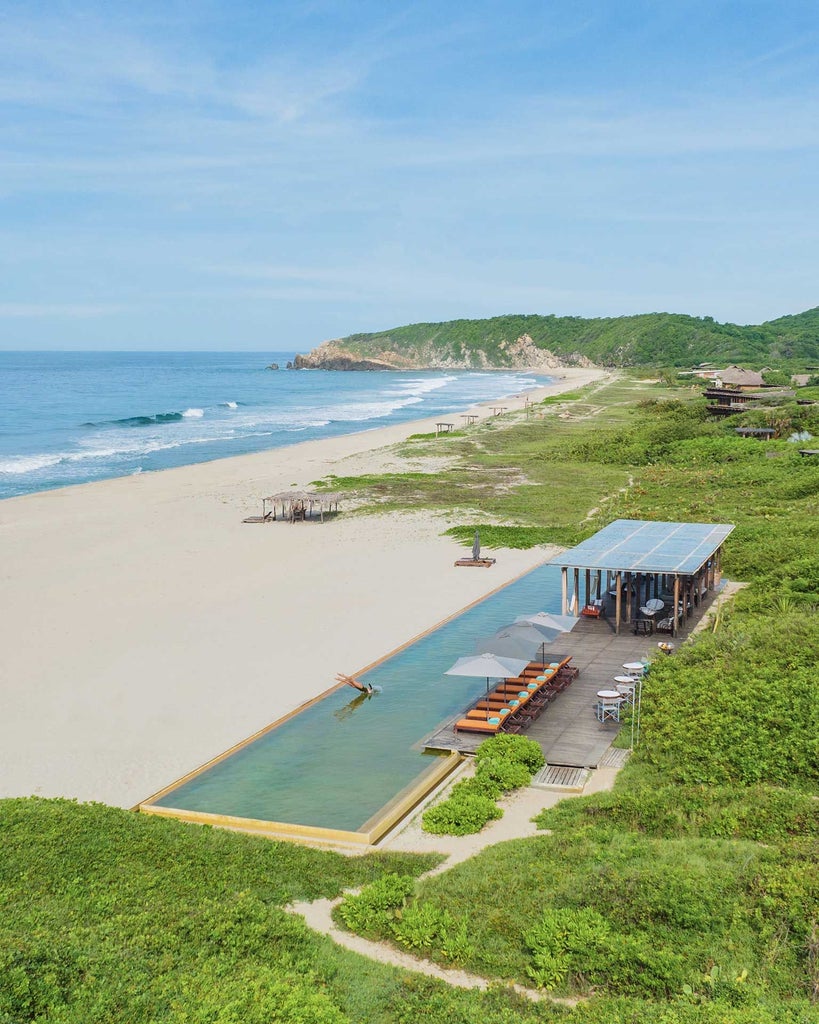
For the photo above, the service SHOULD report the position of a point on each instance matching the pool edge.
(378, 826)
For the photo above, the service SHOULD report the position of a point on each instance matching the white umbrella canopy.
(521, 639)
(560, 623)
(488, 665)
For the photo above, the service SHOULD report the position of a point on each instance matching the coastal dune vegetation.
(687, 895)
(696, 880)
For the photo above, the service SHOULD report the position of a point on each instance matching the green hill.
(650, 339)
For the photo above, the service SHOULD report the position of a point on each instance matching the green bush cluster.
(370, 911)
(512, 749)
(579, 946)
(463, 813)
(761, 812)
(503, 763)
(111, 916)
(384, 908)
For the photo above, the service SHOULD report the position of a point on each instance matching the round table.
(609, 695)
(655, 605)
(635, 666)
(624, 680)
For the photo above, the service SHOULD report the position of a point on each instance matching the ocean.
(73, 417)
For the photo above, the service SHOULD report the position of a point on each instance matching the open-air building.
(633, 570)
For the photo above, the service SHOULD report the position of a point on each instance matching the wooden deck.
(568, 731)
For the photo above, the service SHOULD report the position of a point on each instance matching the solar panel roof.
(634, 545)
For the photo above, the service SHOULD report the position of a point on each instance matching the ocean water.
(72, 417)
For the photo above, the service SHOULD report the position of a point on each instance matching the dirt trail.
(516, 823)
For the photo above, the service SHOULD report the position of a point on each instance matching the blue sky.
(267, 175)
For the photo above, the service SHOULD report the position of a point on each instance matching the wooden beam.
(564, 574)
(618, 600)
(676, 605)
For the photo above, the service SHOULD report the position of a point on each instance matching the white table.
(626, 686)
(608, 695)
(634, 668)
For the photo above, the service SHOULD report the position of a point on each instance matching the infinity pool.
(339, 762)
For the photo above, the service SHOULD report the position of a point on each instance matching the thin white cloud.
(70, 310)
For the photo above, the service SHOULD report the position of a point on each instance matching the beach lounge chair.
(488, 726)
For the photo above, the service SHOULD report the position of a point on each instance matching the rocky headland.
(522, 353)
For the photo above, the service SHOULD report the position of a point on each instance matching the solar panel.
(635, 545)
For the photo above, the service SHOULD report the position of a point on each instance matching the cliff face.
(331, 355)
(522, 353)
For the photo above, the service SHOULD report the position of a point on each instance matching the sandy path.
(147, 629)
(518, 810)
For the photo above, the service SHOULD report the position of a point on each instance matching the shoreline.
(152, 629)
(568, 379)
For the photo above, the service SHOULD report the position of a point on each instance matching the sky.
(243, 176)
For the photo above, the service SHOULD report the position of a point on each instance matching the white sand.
(147, 629)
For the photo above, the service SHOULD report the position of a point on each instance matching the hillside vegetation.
(649, 339)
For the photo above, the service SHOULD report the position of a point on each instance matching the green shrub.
(461, 815)
(561, 941)
(371, 911)
(420, 926)
(518, 749)
(503, 763)
(578, 945)
(505, 774)
(642, 803)
(481, 784)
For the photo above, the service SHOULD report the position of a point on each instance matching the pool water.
(338, 762)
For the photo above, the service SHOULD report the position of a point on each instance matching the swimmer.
(355, 683)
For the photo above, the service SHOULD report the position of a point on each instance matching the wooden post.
(676, 605)
(588, 587)
(577, 592)
(564, 574)
(628, 596)
(618, 599)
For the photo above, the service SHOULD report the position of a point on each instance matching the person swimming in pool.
(367, 688)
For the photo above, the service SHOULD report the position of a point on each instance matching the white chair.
(608, 710)
(626, 691)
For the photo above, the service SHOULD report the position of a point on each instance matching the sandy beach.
(147, 629)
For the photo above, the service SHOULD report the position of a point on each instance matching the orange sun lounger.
(478, 725)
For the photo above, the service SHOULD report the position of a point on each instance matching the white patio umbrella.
(561, 623)
(521, 639)
(488, 665)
